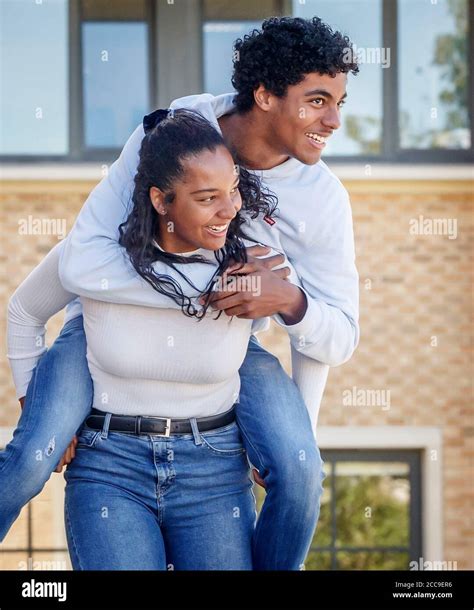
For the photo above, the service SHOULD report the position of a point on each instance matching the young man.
(290, 80)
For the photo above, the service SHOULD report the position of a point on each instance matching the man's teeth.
(217, 228)
(314, 136)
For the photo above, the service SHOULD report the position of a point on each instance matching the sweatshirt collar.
(207, 254)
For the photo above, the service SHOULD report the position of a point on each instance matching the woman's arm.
(39, 297)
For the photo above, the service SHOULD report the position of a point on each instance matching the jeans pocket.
(87, 437)
(227, 443)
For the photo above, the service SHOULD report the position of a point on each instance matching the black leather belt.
(161, 426)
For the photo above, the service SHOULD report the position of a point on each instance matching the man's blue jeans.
(152, 503)
(273, 419)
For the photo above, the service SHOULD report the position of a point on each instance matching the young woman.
(160, 475)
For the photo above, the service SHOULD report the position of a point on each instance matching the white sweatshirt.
(313, 228)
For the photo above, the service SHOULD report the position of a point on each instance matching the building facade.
(396, 424)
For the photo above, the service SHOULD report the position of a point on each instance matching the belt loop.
(105, 428)
(138, 425)
(196, 433)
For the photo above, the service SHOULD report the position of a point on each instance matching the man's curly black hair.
(283, 52)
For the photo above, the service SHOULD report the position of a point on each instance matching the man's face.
(307, 116)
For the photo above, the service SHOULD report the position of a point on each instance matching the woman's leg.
(59, 397)
(279, 440)
(207, 505)
(110, 506)
(154, 503)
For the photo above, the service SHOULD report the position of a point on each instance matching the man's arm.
(329, 330)
(37, 299)
(310, 376)
(319, 308)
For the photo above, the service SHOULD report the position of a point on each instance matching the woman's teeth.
(315, 136)
(217, 228)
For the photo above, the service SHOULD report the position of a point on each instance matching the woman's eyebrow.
(212, 190)
(204, 191)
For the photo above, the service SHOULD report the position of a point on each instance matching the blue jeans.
(152, 503)
(58, 399)
(271, 414)
(278, 437)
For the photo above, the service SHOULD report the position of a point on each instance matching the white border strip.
(345, 171)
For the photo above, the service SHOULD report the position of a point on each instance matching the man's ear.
(262, 98)
(157, 198)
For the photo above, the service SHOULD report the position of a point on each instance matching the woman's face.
(206, 199)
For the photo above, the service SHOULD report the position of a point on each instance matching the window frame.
(390, 154)
(77, 149)
(413, 458)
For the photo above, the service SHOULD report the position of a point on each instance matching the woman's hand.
(258, 479)
(68, 456)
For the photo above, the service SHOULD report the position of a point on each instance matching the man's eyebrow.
(324, 93)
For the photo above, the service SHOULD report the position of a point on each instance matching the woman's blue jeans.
(271, 414)
(152, 503)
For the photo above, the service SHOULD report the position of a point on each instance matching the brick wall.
(416, 322)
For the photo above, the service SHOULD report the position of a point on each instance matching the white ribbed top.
(159, 362)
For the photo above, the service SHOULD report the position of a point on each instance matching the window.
(361, 129)
(433, 75)
(370, 511)
(77, 76)
(115, 72)
(410, 100)
(219, 37)
(34, 78)
(224, 22)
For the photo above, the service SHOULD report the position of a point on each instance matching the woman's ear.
(157, 198)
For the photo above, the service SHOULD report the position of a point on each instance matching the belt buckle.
(167, 428)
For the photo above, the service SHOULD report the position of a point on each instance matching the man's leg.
(277, 434)
(58, 399)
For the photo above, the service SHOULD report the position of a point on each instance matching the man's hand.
(68, 456)
(257, 289)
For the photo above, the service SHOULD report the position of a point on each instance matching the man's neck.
(249, 140)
